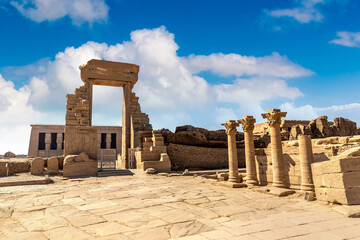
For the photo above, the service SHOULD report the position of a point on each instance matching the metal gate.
(132, 159)
(106, 159)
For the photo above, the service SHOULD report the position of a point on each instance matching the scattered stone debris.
(150, 171)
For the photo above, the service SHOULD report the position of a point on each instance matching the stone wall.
(194, 136)
(338, 180)
(193, 157)
(15, 165)
(323, 150)
(291, 163)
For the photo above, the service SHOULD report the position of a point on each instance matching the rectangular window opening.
(103, 141)
(113, 141)
(41, 145)
(53, 144)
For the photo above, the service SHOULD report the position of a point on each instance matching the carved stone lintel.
(247, 123)
(274, 116)
(230, 126)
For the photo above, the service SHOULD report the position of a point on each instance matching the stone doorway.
(106, 116)
(80, 135)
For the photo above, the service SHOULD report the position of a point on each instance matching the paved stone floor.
(158, 207)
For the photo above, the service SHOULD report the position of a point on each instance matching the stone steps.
(120, 172)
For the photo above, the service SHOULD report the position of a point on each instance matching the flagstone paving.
(159, 207)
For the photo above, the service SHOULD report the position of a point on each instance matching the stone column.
(248, 127)
(274, 120)
(47, 144)
(230, 126)
(125, 126)
(306, 158)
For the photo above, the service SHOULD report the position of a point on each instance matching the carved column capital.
(274, 116)
(247, 123)
(230, 126)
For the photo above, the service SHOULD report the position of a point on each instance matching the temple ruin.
(317, 158)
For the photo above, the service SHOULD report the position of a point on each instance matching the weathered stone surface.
(79, 165)
(81, 139)
(37, 166)
(352, 152)
(53, 164)
(187, 229)
(109, 73)
(193, 157)
(320, 127)
(73, 169)
(349, 196)
(14, 165)
(66, 233)
(336, 166)
(338, 180)
(194, 136)
(155, 207)
(344, 127)
(82, 157)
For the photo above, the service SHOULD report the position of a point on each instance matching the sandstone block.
(82, 157)
(338, 180)
(74, 169)
(349, 196)
(53, 164)
(336, 166)
(37, 166)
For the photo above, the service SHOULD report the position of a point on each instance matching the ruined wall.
(16, 165)
(192, 157)
(139, 121)
(78, 106)
(323, 150)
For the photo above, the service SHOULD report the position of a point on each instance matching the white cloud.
(348, 39)
(255, 90)
(273, 65)
(351, 106)
(79, 11)
(308, 112)
(169, 89)
(306, 13)
(16, 115)
(249, 94)
(224, 114)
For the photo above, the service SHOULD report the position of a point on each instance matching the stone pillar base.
(278, 185)
(307, 187)
(252, 182)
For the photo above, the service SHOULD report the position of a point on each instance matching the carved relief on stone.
(274, 116)
(247, 123)
(230, 126)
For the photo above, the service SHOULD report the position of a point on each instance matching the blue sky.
(201, 62)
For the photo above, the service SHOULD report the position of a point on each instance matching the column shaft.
(306, 158)
(125, 126)
(277, 156)
(233, 161)
(251, 177)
